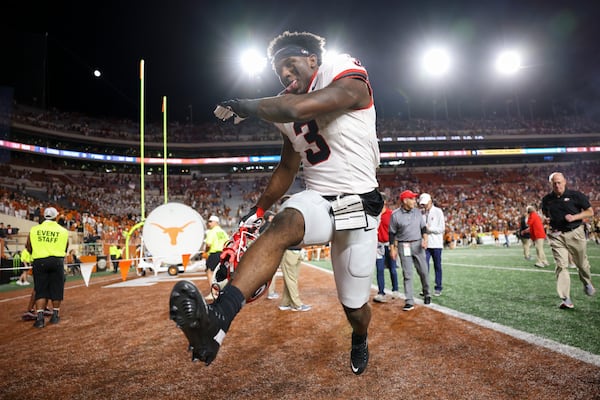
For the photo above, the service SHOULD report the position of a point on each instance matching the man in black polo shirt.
(566, 209)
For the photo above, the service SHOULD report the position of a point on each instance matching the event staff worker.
(566, 209)
(47, 243)
(115, 253)
(215, 241)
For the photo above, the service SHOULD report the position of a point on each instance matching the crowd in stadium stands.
(103, 206)
(494, 199)
(256, 130)
(86, 126)
(397, 127)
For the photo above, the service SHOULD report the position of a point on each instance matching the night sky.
(191, 51)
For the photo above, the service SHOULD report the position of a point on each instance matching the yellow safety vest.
(48, 239)
(114, 251)
(26, 256)
(215, 240)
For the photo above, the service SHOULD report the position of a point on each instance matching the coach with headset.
(47, 243)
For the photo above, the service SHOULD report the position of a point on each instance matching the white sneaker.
(380, 298)
(285, 308)
(272, 296)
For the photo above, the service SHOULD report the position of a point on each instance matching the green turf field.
(497, 284)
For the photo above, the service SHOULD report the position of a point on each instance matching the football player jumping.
(327, 118)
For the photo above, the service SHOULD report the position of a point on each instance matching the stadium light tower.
(436, 63)
(508, 63)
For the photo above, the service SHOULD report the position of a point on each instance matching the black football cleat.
(359, 356)
(202, 324)
(54, 319)
(39, 323)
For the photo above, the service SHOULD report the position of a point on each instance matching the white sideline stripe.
(545, 269)
(567, 350)
(153, 280)
(499, 254)
(548, 270)
(164, 277)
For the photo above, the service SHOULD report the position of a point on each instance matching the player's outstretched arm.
(340, 95)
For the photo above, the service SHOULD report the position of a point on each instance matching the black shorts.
(213, 260)
(49, 278)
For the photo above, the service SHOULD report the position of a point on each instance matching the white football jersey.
(340, 153)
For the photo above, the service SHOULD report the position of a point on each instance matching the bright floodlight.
(436, 61)
(508, 62)
(252, 62)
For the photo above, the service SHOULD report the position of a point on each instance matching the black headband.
(290, 51)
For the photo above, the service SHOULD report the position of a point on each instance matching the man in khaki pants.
(290, 267)
(566, 209)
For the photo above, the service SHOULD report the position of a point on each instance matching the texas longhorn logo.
(183, 226)
(173, 231)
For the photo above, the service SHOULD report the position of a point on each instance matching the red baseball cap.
(408, 194)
